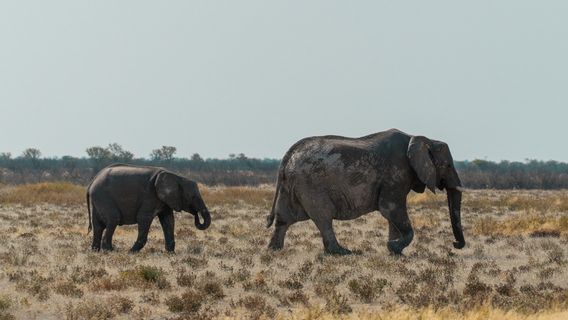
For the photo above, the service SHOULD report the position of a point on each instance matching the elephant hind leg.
(277, 240)
(143, 229)
(286, 214)
(107, 237)
(329, 240)
(108, 214)
(321, 210)
(98, 228)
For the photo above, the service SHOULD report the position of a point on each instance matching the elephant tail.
(89, 211)
(272, 215)
(280, 178)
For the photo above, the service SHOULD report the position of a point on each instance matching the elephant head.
(434, 167)
(182, 194)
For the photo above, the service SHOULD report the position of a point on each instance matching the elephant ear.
(419, 156)
(168, 190)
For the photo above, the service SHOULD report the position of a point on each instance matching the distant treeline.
(238, 169)
(242, 170)
(531, 174)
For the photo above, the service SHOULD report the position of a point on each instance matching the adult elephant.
(125, 194)
(333, 177)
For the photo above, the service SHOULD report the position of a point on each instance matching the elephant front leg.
(393, 232)
(400, 229)
(143, 229)
(168, 225)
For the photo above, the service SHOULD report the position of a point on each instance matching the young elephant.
(124, 194)
(332, 177)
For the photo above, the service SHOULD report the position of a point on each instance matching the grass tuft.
(189, 302)
(145, 276)
(367, 288)
(89, 310)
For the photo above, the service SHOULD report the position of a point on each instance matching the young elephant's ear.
(419, 155)
(168, 190)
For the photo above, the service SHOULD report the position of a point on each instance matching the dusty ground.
(516, 259)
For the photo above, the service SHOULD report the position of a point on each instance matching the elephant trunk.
(206, 219)
(454, 205)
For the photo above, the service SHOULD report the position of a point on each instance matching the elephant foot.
(277, 240)
(276, 244)
(338, 250)
(395, 247)
(275, 247)
(459, 245)
(170, 247)
(96, 249)
(138, 245)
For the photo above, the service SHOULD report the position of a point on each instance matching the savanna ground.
(515, 264)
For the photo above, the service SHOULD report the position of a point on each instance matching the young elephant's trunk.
(454, 205)
(206, 219)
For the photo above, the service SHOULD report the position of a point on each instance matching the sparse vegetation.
(336, 303)
(121, 304)
(257, 306)
(68, 289)
(89, 310)
(367, 288)
(5, 304)
(189, 302)
(145, 276)
(514, 264)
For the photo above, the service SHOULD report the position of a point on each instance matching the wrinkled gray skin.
(332, 177)
(124, 194)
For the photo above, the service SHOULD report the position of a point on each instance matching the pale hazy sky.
(218, 77)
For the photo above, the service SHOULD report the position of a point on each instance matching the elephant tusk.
(461, 189)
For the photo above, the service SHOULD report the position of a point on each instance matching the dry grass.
(514, 265)
(533, 208)
(238, 196)
(539, 201)
(59, 193)
(481, 313)
(64, 193)
(533, 224)
(528, 212)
